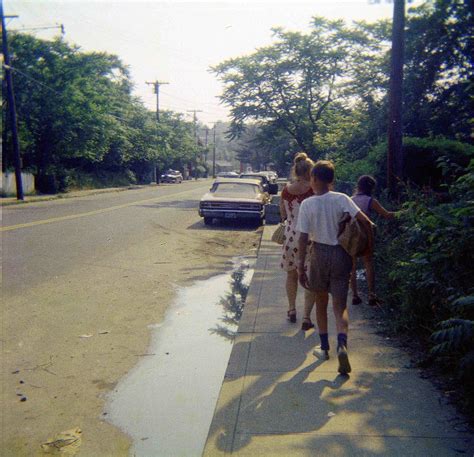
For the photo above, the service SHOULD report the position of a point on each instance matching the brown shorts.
(330, 270)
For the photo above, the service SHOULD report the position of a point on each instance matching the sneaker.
(322, 354)
(344, 365)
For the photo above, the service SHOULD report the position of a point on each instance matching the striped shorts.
(330, 269)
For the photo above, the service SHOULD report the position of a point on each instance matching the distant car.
(172, 176)
(269, 185)
(233, 199)
(227, 174)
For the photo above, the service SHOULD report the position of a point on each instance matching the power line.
(16, 70)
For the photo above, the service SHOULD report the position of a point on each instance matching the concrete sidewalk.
(277, 399)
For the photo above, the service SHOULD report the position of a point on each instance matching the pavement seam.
(248, 357)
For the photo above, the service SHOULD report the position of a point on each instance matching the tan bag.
(279, 234)
(352, 236)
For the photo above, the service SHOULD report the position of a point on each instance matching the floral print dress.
(289, 255)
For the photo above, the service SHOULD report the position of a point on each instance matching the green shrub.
(425, 266)
(421, 161)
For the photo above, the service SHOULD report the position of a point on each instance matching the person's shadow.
(271, 402)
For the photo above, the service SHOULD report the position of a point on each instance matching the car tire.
(208, 220)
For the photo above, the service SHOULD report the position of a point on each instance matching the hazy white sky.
(177, 41)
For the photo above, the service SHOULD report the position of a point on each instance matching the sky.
(177, 41)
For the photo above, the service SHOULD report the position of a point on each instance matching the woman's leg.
(291, 288)
(369, 269)
(309, 299)
(355, 296)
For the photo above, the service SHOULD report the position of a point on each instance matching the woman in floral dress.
(291, 197)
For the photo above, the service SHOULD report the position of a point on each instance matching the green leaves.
(296, 79)
(76, 112)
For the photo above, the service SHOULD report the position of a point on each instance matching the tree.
(293, 81)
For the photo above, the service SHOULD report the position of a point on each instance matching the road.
(82, 280)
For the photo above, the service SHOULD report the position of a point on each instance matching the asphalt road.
(46, 239)
(83, 279)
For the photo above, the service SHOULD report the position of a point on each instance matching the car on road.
(234, 199)
(269, 185)
(227, 174)
(172, 176)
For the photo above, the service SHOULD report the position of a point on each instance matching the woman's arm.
(283, 214)
(302, 244)
(380, 210)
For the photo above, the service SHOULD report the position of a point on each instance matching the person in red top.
(291, 197)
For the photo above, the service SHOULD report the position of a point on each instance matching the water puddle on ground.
(167, 401)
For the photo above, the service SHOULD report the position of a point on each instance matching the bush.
(425, 265)
(421, 161)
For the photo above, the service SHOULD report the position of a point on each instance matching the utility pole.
(214, 153)
(194, 111)
(395, 135)
(156, 89)
(11, 107)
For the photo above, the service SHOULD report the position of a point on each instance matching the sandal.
(307, 324)
(291, 315)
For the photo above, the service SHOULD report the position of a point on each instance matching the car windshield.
(232, 189)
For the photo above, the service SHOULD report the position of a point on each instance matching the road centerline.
(89, 213)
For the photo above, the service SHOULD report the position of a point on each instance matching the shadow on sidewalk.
(368, 414)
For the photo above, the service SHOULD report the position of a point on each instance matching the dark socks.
(341, 340)
(324, 341)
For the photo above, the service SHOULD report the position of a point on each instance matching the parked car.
(227, 174)
(268, 184)
(172, 176)
(232, 199)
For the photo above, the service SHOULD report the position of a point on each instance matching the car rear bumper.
(231, 213)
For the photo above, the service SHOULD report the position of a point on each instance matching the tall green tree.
(293, 81)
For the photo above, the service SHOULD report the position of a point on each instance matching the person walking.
(330, 264)
(364, 200)
(292, 196)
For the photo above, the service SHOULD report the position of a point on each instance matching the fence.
(8, 183)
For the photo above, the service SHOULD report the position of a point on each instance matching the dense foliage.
(79, 121)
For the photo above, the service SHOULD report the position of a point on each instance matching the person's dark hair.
(324, 171)
(366, 185)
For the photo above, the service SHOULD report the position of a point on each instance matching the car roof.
(237, 181)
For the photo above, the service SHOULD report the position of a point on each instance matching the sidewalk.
(277, 399)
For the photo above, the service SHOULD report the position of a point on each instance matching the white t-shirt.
(319, 216)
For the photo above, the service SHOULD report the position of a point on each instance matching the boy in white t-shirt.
(331, 265)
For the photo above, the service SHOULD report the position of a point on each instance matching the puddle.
(167, 401)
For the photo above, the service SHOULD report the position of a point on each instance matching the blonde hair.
(302, 166)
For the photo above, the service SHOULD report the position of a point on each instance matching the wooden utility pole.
(194, 111)
(11, 107)
(156, 89)
(214, 153)
(395, 135)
